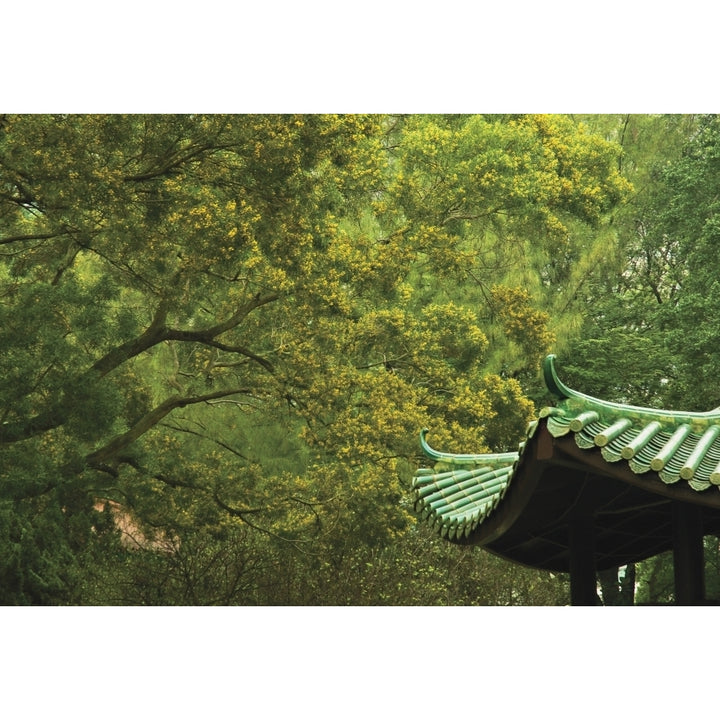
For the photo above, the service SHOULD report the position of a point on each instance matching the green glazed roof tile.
(456, 501)
(679, 446)
(462, 490)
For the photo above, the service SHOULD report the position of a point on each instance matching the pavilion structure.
(594, 485)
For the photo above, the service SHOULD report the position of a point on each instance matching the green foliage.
(240, 568)
(656, 584)
(656, 316)
(233, 328)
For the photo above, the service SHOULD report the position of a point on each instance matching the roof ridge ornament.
(608, 408)
(553, 382)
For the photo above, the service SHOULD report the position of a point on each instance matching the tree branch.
(206, 437)
(238, 349)
(104, 454)
(120, 354)
(175, 159)
(157, 333)
(235, 319)
(35, 236)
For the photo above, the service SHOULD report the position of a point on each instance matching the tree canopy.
(229, 330)
(650, 337)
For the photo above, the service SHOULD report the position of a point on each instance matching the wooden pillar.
(583, 580)
(688, 557)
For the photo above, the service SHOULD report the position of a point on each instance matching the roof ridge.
(467, 459)
(563, 393)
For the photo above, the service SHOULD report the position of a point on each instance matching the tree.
(651, 337)
(620, 351)
(242, 322)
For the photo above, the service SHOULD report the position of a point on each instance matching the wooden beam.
(591, 460)
(688, 557)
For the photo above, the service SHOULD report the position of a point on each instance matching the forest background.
(221, 336)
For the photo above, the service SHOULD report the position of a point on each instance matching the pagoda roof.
(623, 464)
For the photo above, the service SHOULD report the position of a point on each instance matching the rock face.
(131, 536)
